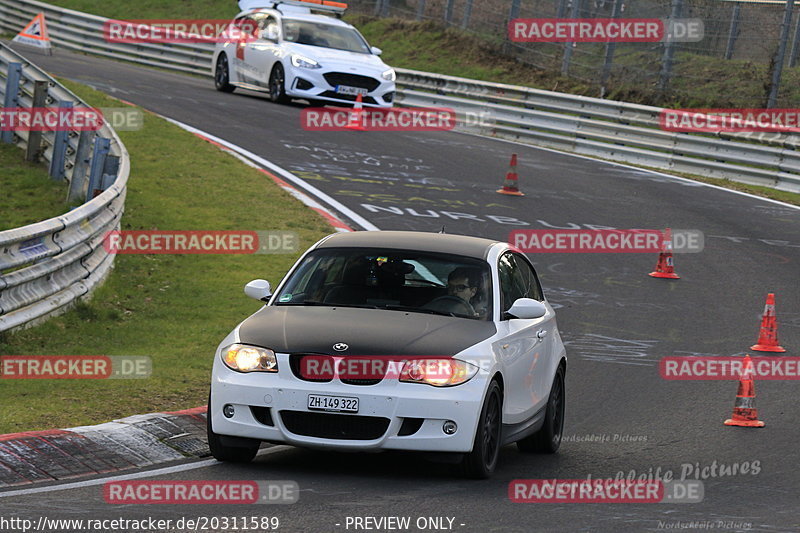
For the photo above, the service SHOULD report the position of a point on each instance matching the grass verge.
(172, 308)
(29, 195)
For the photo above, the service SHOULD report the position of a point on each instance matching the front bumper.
(388, 411)
(320, 84)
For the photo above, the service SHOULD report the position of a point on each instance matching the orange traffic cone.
(665, 267)
(357, 116)
(768, 336)
(511, 187)
(745, 413)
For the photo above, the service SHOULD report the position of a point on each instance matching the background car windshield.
(392, 279)
(325, 35)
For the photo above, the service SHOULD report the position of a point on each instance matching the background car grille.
(333, 426)
(351, 80)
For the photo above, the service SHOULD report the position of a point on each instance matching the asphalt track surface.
(617, 323)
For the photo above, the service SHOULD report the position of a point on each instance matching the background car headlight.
(443, 372)
(243, 358)
(389, 75)
(304, 62)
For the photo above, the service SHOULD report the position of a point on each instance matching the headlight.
(244, 358)
(437, 372)
(389, 75)
(304, 62)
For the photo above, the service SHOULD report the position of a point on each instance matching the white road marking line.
(352, 215)
(136, 475)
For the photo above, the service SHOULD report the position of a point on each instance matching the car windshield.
(324, 35)
(400, 280)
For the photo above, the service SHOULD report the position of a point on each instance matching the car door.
(525, 350)
(260, 54)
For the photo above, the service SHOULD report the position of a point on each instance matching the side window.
(510, 288)
(531, 287)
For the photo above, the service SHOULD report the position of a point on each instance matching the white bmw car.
(282, 48)
(395, 340)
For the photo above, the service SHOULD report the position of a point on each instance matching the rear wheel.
(231, 454)
(277, 85)
(548, 438)
(482, 460)
(222, 77)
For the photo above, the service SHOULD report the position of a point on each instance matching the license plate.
(346, 89)
(333, 403)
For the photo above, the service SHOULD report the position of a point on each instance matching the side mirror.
(376, 51)
(527, 308)
(258, 289)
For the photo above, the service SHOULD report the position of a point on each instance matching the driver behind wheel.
(462, 286)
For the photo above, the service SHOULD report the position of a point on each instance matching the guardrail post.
(669, 52)
(780, 55)
(576, 8)
(467, 14)
(611, 47)
(420, 9)
(101, 148)
(448, 12)
(795, 45)
(12, 96)
(57, 162)
(562, 8)
(81, 166)
(110, 171)
(381, 8)
(734, 31)
(34, 149)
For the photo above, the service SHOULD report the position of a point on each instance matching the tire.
(277, 85)
(548, 438)
(230, 454)
(482, 460)
(222, 75)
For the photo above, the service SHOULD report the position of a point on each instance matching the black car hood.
(301, 329)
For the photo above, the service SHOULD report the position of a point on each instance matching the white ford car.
(281, 47)
(394, 340)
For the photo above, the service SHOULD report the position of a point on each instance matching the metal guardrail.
(607, 129)
(47, 266)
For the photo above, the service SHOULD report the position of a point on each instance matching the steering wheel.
(451, 304)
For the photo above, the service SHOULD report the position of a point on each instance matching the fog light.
(449, 427)
(228, 411)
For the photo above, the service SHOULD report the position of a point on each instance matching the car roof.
(309, 17)
(475, 247)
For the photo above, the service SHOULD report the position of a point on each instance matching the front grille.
(334, 426)
(296, 361)
(361, 381)
(351, 80)
(348, 97)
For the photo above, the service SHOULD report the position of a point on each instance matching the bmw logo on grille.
(340, 346)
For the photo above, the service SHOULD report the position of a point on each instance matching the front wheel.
(222, 77)
(277, 85)
(548, 438)
(231, 454)
(482, 460)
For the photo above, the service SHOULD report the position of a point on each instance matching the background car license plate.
(346, 89)
(333, 403)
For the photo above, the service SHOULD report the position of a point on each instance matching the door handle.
(542, 333)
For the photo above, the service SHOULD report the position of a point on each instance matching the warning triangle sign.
(35, 34)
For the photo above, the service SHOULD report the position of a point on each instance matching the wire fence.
(746, 31)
